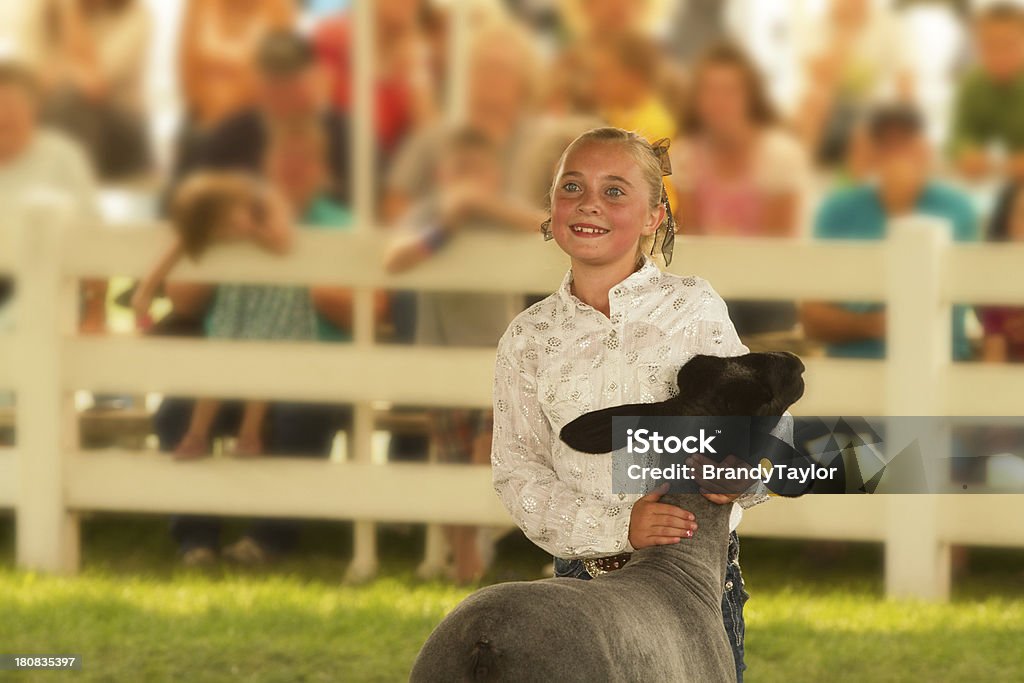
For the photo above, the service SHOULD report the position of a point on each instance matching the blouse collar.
(634, 282)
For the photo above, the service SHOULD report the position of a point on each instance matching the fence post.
(364, 552)
(918, 324)
(46, 532)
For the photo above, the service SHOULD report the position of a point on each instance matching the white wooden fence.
(48, 481)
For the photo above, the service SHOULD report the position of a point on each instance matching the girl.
(615, 332)
(231, 207)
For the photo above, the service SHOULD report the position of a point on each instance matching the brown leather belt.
(596, 566)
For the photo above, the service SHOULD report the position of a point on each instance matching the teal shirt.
(857, 214)
(988, 111)
(322, 214)
(325, 214)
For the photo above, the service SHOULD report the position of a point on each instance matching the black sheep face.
(755, 384)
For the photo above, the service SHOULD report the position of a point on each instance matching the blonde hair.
(499, 32)
(642, 152)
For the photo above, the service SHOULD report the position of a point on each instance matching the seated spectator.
(624, 75)
(220, 40)
(36, 160)
(1004, 325)
(901, 185)
(289, 87)
(856, 55)
(90, 57)
(459, 319)
(502, 83)
(297, 166)
(737, 173)
(988, 117)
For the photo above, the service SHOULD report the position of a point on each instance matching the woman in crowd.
(90, 56)
(218, 56)
(737, 173)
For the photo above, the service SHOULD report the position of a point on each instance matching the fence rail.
(48, 481)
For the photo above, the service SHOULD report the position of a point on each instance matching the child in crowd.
(297, 165)
(214, 208)
(469, 164)
(1004, 325)
(989, 111)
(900, 184)
(616, 331)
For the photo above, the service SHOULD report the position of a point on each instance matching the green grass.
(135, 616)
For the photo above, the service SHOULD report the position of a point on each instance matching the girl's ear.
(656, 218)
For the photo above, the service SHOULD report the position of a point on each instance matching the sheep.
(658, 618)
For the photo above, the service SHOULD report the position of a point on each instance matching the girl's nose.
(588, 205)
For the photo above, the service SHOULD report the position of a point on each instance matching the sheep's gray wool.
(659, 618)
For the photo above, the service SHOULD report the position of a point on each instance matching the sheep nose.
(795, 358)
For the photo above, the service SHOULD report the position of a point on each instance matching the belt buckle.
(602, 565)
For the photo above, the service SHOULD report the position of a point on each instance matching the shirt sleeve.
(559, 519)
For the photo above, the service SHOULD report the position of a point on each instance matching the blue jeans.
(733, 599)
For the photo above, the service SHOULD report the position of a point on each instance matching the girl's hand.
(141, 300)
(653, 523)
(721, 491)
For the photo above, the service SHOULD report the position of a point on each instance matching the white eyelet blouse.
(561, 358)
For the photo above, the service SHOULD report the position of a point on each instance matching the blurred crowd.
(818, 126)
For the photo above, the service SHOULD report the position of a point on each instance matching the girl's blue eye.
(615, 192)
(571, 187)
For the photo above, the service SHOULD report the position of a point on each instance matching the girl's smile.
(588, 230)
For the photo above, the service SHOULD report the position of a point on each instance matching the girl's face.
(722, 99)
(601, 205)
(241, 222)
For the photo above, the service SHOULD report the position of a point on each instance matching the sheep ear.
(700, 371)
(592, 432)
